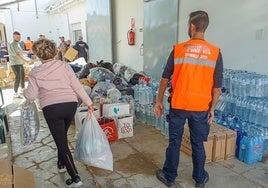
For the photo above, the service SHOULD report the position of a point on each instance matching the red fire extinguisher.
(131, 37)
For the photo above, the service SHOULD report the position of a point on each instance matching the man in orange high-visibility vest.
(195, 69)
(28, 44)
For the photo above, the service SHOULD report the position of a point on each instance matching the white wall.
(233, 27)
(77, 14)
(123, 11)
(52, 25)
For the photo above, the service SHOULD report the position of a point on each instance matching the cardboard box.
(3, 73)
(124, 126)
(186, 144)
(219, 146)
(71, 54)
(20, 178)
(230, 144)
(108, 126)
(115, 109)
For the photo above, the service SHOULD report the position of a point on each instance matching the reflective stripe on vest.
(192, 80)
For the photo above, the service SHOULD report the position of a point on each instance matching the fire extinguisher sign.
(132, 23)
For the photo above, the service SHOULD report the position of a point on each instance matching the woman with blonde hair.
(57, 87)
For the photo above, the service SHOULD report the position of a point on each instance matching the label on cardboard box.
(109, 128)
(125, 126)
(115, 109)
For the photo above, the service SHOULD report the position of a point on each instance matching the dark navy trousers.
(199, 130)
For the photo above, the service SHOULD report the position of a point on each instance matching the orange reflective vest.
(28, 45)
(192, 80)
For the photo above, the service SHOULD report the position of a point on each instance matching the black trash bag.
(106, 65)
(86, 70)
(135, 78)
(76, 68)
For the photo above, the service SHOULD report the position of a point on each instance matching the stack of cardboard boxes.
(7, 75)
(220, 145)
(12, 176)
(114, 118)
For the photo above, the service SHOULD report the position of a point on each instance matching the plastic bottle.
(252, 113)
(259, 112)
(265, 114)
(243, 148)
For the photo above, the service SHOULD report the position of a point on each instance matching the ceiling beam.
(12, 2)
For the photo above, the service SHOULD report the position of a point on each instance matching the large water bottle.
(266, 86)
(137, 110)
(243, 148)
(238, 109)
(252, 113)
(143, 113)
(252, 86)
(150, 95)
(265, 114)
(136, 92)
(246, 109)
(220, 106)
(265, 139)
(258, 86)
(259, 112)
(228, 104)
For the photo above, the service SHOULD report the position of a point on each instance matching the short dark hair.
(199, 19)
(16, 33)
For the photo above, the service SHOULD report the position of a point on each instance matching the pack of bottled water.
(29, 122)
(251, 148)
(245, 84)
(145, 97)
(243, 106)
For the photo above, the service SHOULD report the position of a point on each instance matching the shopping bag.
(92, 146)
(29, 121)
(80, 115)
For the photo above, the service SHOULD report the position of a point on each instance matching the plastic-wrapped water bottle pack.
(30, 124)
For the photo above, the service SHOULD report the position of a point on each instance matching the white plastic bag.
(29, 121)
(92, 146)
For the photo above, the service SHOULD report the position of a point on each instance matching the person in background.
(57, 86)
(195, 69)
(16, 60)
(68, 42)
(62, 48)
(28, 46)
(41, 36)
(82, 48)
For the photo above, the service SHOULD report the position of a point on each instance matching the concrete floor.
(135, 160)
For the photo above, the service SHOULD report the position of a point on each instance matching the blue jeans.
(199, 130)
